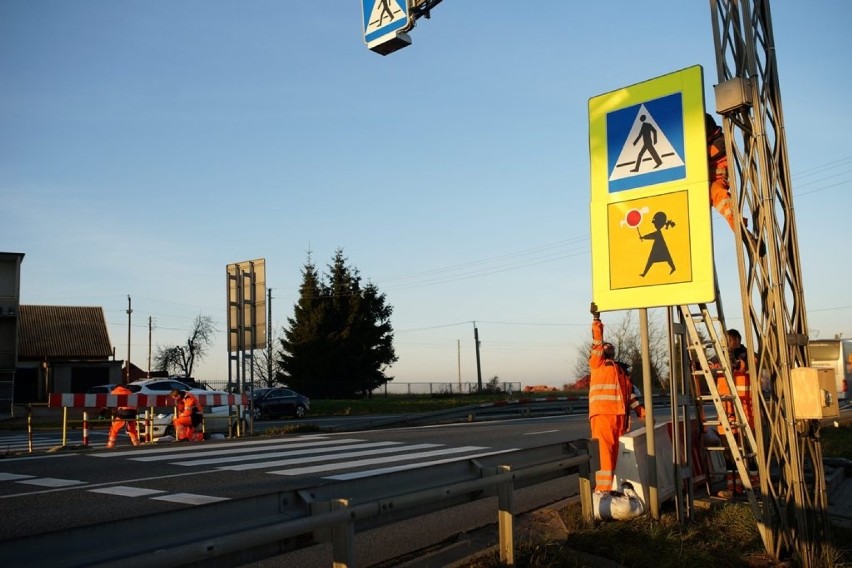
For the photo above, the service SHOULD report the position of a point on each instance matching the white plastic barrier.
(632, 466)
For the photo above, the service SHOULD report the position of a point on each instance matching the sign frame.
(641, 197)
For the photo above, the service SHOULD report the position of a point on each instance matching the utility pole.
(269, 335)
(478, 367)
(458, 352)
(127, 364)
(150, 324)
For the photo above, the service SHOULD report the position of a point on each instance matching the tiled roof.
(63, 332)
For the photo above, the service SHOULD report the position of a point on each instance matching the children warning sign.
(650, 206)
(650, 238)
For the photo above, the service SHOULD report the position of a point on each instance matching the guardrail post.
(85, 429)
(506, 505)
(342, 539)
(586, 476)
(30, 427)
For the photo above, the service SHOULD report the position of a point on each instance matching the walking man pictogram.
(648, 135)
(386, 9)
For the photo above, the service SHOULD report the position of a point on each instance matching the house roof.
(63, 332)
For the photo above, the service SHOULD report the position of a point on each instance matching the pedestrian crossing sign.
(383, 18)
(650, 205)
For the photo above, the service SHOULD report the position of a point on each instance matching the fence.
(426, 388)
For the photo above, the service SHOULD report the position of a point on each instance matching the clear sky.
(145, 145)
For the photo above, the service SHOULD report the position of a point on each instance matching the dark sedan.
(279, 401)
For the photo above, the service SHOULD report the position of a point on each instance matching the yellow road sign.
(650, 206)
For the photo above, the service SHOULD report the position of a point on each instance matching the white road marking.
(296, 452)
(51, 482)
(125, 491)
(386, 459)
(372, 472)
(189, 498)
(13, 476)
(542, 432)
(183, 447)
(231, 450)
(312, 459)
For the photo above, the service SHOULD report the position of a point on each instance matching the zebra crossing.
(334, 458)
(14, 442)
(339, 458)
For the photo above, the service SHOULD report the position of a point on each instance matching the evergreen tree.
(339, 340)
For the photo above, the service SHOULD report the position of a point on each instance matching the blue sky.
(146, 145)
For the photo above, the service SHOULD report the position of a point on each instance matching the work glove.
(594, 311)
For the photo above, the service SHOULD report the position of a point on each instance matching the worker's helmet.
(709, 123)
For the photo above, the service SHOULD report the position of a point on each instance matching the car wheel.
(300, 411)
(170, 431)
(256, 413)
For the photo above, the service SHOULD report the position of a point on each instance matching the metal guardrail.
(334, 511)
(525, 406)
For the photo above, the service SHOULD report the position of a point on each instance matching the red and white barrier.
(74, 400)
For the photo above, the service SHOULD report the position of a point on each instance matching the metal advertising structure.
(246, 294)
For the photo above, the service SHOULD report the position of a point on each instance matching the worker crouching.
(189, 416)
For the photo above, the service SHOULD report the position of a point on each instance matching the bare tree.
(267, 369)
(180, 359)
(624, 334)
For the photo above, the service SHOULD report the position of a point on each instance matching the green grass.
(836, 442)
(724, 536)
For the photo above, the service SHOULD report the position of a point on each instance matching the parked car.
(217, 419)
(278, 401)
(101, 389)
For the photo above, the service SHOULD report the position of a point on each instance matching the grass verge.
(720, 536)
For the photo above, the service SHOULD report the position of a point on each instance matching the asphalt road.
(51, 491)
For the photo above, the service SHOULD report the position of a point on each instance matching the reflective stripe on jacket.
(190, 405)
(717, 159)
(610, 388)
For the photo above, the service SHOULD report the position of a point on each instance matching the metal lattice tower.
(789, 457)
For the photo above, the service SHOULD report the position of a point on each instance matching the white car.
(217, 419)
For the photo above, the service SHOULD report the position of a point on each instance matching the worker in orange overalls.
(720, 191)
(611, 398)
(188, 415)
(125, 416)
(738, 355)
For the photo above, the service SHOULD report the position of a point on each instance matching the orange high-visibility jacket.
(610, 387)
(718, 159)
(189, 405)
(121, 389)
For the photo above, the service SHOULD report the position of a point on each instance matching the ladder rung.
(711, 398)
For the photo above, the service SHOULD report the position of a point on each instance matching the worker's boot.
(110, 444)
(134, 440)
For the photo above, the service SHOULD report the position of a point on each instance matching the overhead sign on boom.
(385, 24)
